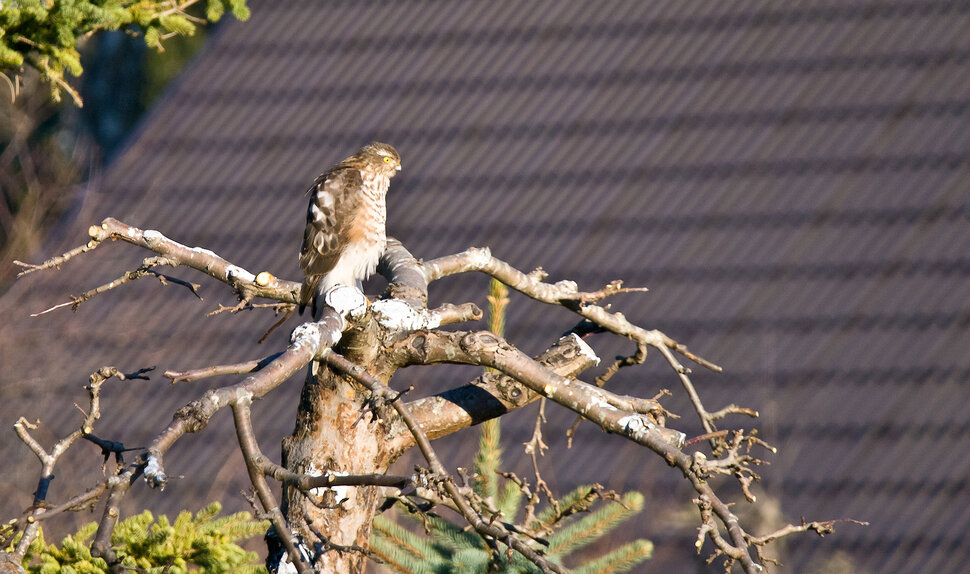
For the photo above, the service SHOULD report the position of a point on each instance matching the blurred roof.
(790, 180)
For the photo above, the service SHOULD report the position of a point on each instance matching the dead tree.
(351, 426)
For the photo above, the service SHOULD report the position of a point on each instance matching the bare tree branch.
(488, 396)
(245, 284)
(218, 370)
(145, 270)
(307, 342)
(247, 441)
(49, 459)
(567, 294)
(442, 475)
(393, 332)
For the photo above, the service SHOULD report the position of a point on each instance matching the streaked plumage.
(345, 234)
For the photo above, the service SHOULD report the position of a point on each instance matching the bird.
(345, 231)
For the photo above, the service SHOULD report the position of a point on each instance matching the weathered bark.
(335, 432)
(489, 396)
(350, 422)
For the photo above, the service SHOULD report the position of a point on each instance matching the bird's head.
(383, 157)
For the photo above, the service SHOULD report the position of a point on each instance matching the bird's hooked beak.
(399, 167)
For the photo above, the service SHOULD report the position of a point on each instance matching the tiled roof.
(790, 180)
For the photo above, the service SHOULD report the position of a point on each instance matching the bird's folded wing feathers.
(330, 215)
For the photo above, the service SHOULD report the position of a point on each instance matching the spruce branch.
(489, 455)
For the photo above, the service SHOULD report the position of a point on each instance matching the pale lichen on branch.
(399, 330)
(170, 253)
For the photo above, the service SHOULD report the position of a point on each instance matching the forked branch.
(408, 334)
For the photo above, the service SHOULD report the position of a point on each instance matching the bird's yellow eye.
(387, 159)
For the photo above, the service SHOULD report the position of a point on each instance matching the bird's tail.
(308, 294)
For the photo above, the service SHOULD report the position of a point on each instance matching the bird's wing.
(333, 206)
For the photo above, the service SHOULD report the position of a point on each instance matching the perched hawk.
(344, 236)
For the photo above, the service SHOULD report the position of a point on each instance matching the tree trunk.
(337, 432)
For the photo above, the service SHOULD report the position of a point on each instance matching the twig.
(535, 448)
(80, 502)
(733, 409)
(327, 544)
(613, 288)
(821, 527)
(246, 284)
(49, 459)
(13, 88)
(248, 306)
(567, 294)
(250, 450)
(424, 445)
(635, 359)
(597, 405)
(218, 370)
(706, 436)
(56, 262)
(488, 396)
(286, 315)
(101, 546)
(307, 341)
(143, 271)
(177, 9)
(564, 293)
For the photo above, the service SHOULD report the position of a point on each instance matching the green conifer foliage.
(204, 543)
(449, 548)
(488, 458)
(596, 524)
(45, 34)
